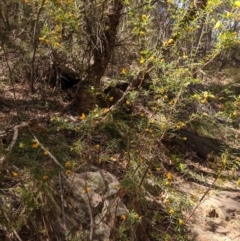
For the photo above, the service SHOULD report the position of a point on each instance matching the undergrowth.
(162, 125)
(140, 149)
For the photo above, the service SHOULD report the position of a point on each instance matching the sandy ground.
(217, 218)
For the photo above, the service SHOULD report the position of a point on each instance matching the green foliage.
(167, 48)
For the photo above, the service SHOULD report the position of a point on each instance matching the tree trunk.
(202, 145)
(85, 99)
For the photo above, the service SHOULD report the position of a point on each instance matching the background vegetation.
(142, 89)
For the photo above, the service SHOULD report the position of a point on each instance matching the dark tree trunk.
(85, 99)
(203, 146)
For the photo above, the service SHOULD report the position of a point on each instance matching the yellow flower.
(166, 201)
(204, 101)
(180, 221)
(185, 56)
(45, 177)
(83, 116)
(35, 145)
(163, 126)
(68, 164)
(137, 216)
(152, 58)
(170, 41)
(88, 189)
(184, 138)
(171, 211)
(205, 94)
(158, 169)
(218, 25)
(111, 98)
(21, 145)
(97, 146)
(192, 202)
(169, 176)
(229, 15)
(196, 96)
(45, 153)
(53, 32)
(161, 90)
(141, 33)
(105, 110)
(235, 113)
(116, 187)
(26, 1)
(123, 217)
(128, 103)
(68, 172)
(237, 3)
(167, 183)
(112, 159)
(41, 39)
(124, 71)
(144, 17)
(58, 28)
(56, 44)
(142, 60)
(15, 174)
(171, 102)
(180, 125)
(170, 1)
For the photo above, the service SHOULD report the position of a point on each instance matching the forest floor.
(217, 216)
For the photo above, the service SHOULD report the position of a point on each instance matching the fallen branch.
(13, 142)
(121, 99)
(14, 139)
(113, 107)
(46, 150)
(88, 203)
(62, 202)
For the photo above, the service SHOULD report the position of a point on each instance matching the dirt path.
(218, 216)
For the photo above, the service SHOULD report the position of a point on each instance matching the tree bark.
(104, 43)
(202, 145)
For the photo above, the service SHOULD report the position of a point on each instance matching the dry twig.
(14, 139)
(13, 142)
(45, 149)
